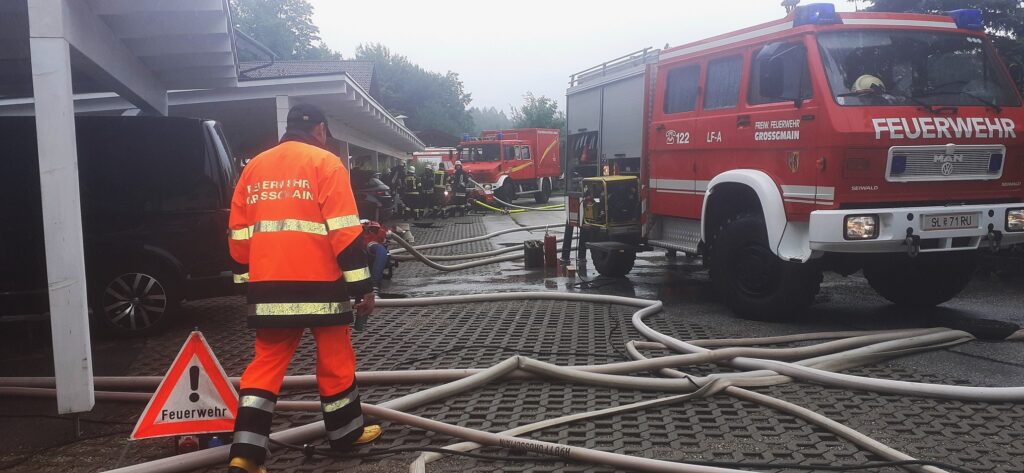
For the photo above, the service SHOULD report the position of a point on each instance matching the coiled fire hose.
(863, 347)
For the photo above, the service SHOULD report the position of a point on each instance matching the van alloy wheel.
(134, 301)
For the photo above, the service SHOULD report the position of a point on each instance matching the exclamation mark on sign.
(193, 377)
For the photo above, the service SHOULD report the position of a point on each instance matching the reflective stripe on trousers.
(349, 428)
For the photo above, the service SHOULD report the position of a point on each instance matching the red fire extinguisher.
(550, 251)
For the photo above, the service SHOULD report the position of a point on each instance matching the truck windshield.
(903, 67)
(481, 152)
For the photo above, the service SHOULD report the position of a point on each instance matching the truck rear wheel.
(752, 280)
(614, 263)
(542, 195)
(924, 281)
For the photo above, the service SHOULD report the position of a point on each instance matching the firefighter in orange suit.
(296, 239)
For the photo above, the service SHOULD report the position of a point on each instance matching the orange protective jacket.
(296, 239)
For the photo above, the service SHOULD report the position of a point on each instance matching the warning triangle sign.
(195, 396)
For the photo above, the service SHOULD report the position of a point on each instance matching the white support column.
(283, 105)
(376, 161)
(62, 217)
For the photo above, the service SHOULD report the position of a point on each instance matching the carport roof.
(343, 100)
(360, 71)
(126, 46)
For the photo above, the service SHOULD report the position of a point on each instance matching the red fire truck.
(887, 143)
(511, 163)
(443, 159)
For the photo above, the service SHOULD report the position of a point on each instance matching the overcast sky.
(531, 45)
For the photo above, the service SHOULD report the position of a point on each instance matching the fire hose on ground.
(429, 261)
(477, 238)
(495, 209)
(849, 350)
(512, 208)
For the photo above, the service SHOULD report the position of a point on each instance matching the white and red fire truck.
(511, 163)
(888, 143)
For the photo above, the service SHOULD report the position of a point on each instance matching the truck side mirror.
(1017, 74)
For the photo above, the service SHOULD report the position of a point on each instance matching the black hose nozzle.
(361, 322)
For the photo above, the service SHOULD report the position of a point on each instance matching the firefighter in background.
(395, 179)
(461, 184)
(412, 194)
(375, 236)
(427, 189)
(295, 237)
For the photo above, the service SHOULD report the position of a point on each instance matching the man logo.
(948, 158)
(947, 168)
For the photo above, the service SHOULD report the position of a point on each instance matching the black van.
(155, 195)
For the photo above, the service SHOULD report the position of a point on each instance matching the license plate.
(949, 221)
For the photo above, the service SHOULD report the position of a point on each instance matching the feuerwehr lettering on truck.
(943, 127)
(777, 130)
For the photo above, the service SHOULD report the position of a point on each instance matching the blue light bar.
(465, 137)
(899, 165)
(968, 18)
(501, 136)
(816, 14)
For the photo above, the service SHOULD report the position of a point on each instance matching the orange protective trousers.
(335, 359)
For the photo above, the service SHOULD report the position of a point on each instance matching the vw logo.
(947, 169)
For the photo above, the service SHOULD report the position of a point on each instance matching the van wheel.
(542, 196)
(137, 302)
(613, 264)
(924, 281)
(752, 280)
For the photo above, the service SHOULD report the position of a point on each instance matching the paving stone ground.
(984, 437)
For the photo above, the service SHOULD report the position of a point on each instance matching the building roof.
(360, 71)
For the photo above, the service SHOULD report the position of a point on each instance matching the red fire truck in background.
(511, 163)
(443, 159)
(888, 143)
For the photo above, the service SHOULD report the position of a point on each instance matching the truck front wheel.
(507, 192)
(752, 280)
(924, 281)
(614, 263)
(544, 193)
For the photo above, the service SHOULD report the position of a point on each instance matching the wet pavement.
(980, 436)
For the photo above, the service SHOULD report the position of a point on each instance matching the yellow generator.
(610, 225)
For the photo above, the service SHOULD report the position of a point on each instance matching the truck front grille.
(945, 163)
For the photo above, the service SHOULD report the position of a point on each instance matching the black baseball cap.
(307, 115)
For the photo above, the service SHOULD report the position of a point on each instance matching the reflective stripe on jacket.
(296, 239)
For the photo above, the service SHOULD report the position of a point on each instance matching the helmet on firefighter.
(458, 163)
(868, 82)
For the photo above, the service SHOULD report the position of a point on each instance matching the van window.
(722, 86)
(779, 73)
(526, 152)
(681, 89)
(145, 165)
(510, 152)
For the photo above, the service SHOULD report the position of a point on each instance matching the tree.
(431, 100)
(538, 112)
(489, 118)
(284, 26)
(1004, 19)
